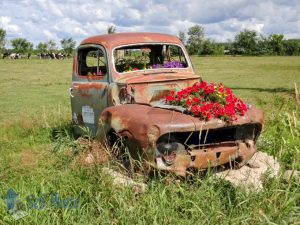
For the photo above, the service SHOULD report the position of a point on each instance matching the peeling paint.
(131, 105)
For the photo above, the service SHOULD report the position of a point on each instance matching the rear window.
(149, 57)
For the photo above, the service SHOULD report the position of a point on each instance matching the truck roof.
(118, 39)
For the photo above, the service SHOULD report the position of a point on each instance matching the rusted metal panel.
(117, 39)
(131, 105)
(147, 124)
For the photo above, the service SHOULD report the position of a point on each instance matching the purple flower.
(171, 64)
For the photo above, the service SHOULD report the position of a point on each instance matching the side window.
(92, 62)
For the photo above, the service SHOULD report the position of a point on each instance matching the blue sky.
(42, 20)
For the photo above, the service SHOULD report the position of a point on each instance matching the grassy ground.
(37, 155)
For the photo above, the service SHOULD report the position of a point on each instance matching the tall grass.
(40, 156)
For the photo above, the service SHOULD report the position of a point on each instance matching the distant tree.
(263, 45)
(276, 43)
(182, 37)
(291, 47)
(208, 47)
(2, 39)
(245, 42)
(219, 49)
(195, 39)
(42, 47)
(228, 47)
(111, 29)
(21, 45)
(51, 45)
(68, 45)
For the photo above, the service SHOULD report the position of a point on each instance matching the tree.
(21, 45)
(68, 45)
(276, 43)
(51, 45)
(208, 47)
(111, 29)
(42, 47)
(245, 42)
(292, 46)
(2, 39)
(182, 37)
(195, 39)
(263, 46)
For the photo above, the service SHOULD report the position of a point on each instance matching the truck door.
(88, 91)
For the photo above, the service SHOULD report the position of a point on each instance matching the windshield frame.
(156, 69)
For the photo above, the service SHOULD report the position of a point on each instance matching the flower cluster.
(209, 101)
(171, 64)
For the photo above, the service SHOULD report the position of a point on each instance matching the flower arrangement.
(208, 101)
(171, 64)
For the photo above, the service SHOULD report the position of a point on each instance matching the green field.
(39, 155)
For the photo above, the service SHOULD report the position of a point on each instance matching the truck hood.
(152, 87)
(154, 77)
(143, 121)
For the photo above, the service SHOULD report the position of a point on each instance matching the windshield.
(148, 57)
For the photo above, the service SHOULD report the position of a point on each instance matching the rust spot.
(86, 86)
(131, 94)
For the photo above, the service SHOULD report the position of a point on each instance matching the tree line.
(246, 42)
(22, 45)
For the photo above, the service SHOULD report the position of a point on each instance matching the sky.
(43, 20)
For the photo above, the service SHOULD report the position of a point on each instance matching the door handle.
(71, 92)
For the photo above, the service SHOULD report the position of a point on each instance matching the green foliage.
(245, 42)
(210, 47)
(68, 45)
(276, 43)
(292, 47)
(195, 39)
(2, 39)
(21, 45)
(111, 29)
(51, 45)
(182, 37)
(282, 136)
(42, 47)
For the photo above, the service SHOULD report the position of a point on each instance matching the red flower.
(195, 100)
(209, 101)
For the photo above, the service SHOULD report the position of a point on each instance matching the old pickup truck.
(118, 83)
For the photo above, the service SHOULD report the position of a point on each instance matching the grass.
(38, 158)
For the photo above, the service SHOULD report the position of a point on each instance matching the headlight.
(168, 151)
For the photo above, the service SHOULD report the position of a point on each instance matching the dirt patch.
(29, 158)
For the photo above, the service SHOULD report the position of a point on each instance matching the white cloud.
(49, 6)
(70, 27)
(37, 20)
(50, 35)
(5, 23)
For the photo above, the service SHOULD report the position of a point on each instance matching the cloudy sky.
(42, 20)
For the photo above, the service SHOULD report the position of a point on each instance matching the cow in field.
(5, 55)
(15, 56)
(60, 55)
